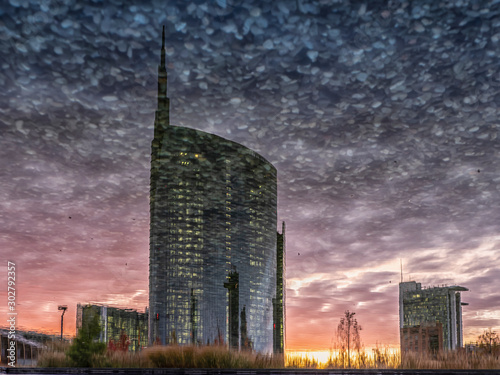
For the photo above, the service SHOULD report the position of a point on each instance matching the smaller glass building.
(433, 314)
(114, 322)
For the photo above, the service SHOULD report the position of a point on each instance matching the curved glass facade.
(212, 241)
(213, 260)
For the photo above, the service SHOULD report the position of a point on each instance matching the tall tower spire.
(162, 116)
(163, 110)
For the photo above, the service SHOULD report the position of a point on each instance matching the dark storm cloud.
(381, 119)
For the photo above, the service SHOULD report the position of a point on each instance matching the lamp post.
(63, 308)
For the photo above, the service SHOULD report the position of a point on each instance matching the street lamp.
(63, 308)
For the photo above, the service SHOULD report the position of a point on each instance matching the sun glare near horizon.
(323, 356)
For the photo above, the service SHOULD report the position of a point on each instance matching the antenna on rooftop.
(401, 262)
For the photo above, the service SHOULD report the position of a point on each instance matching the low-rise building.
(430, 319)
(114, 322)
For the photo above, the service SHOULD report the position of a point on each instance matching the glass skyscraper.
(213, 256)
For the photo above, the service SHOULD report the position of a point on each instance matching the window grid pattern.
(438, 307)
(213, 213)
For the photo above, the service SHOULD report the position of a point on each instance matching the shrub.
(86, 350)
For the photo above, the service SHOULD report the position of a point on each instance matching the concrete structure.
(114, 322)
(430, 319)
(213, 255)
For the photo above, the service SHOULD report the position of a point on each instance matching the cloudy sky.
(380, 116)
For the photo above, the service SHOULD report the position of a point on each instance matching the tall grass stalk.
(208, 357)
(53, 354)
(301, 361)
(221, 357)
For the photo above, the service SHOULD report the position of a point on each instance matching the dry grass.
(387, 359)
(362, 360)
(208, 357)
(301, 361)
(220, 357)
(53, 354)
(168, 357)
(457, 360)
(120, 359)
(52, 359)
